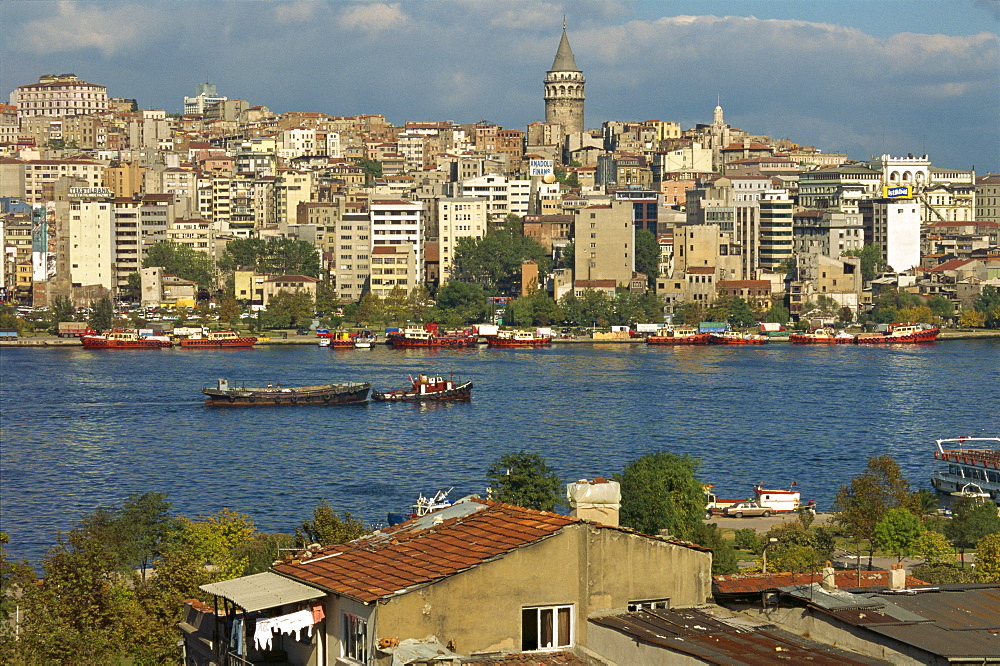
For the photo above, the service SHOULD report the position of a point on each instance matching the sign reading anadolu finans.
(90, 192)
(539, 167)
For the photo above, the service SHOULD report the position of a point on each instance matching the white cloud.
(109, 29)
(374, 17)
(295, 12)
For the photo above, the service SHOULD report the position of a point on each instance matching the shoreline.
(52, 341)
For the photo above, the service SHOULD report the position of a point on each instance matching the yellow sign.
(897, 192)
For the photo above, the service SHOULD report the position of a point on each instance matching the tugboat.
(340, 340)
(320, 394)
(734, 338)
(125, 339)
(425, 387)
(517, 339)
(821, 336)
(216, 339)
(908, 332)
(682, 335)
(427, 335)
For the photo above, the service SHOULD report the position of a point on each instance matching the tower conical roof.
(564, 62)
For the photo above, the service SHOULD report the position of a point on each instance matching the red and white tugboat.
(217, 339)
(682, 335)
(518, 339)
(425, 387)
(821, 336)
(428, 335)
(735, 338)
(906, 333)
(125, 339)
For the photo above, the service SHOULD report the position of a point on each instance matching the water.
(81, 429)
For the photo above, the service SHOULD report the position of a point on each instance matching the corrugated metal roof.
(264, 590)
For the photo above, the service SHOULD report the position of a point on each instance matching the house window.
(546, 627)
(355, 638)
(649, 604)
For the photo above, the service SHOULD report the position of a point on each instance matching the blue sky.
(864, 77)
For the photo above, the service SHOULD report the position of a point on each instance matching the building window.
(546, 627)
(355, 638)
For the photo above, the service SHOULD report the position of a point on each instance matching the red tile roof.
(846, 580)
(700, 270)
(951, 265)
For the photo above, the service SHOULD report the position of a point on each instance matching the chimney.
(829, 578)
(897, 577)
(598, 500)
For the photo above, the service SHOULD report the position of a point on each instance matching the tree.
(535, 309)
(777, 314)
(132, 292)
(988, 557)
(724, 560)
(988, 303)
(327, 529)
(798, 548)
(371, 168)
(418, 303)
(62, 310)
(871, 260)
(524, 479)
(468, 301)
(789, 266)
(647, 255)
(282, 256)
(134, 533)
(102, 314)
(288, 309)
(933, 547)
(972, 319)
(181, 260)
(494, 261)
(941, 307)
(689, 314)
(898, 532)
(971, 521)
(740, 314)
(661, 491)
(567, 259)
(229, 309)
(862, 503)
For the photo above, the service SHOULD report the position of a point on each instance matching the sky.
(861, 77)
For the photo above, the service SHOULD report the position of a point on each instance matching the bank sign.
(90, 192)
(539, 167)
(897, 192)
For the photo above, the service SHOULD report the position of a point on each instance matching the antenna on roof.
(564, 21)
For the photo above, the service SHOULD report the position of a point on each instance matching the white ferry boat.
(972, 461)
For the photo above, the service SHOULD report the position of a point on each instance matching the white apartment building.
(894, 225)
(397, 222)
(297, 142)
(458, 218)
(828, 232)
(90, 242)
(411, 146)
(504, 196)
(59, 95)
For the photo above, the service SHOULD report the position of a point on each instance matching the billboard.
(539, 167)
(90, 192)
(897, 191)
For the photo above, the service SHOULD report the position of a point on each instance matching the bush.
(746, 539)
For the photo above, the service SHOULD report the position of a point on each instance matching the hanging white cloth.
(283, 624)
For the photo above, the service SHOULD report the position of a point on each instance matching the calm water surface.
(81, 429)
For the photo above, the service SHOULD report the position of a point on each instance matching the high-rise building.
(59, 95)
(564, 90)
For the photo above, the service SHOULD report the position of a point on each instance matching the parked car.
(742, 509)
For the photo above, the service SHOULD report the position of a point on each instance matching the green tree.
(466, 300)
(746, 538)
(789, 266)
(871, 260)
(971, 521)
(798, 548)
(988, 557)
(647, 255)
(988, 303)
(281, 256)
(719, 310)
(536, 309)
(689, 314)
(661, 491)
(62, 310)
(371, 168)
(777, 314)
(229, 310)
(941, 307)
(370, 309)
(327, 303)
(181, 260)
(524, 479)
(328, 529)
(133, 533)
(418, 303)
(494, 261)
(567, 259)
(898, 532)
(740, 314)
(862, 503)
(934, 547)
(102, 314)
(724, 560)
(972, 319)
(288, 309)
(132, 292)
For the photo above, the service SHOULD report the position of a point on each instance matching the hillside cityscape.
(233, 201)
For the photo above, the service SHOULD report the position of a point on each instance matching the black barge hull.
(327, 394)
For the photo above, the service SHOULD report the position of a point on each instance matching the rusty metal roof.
(717, 636)
(737, 584)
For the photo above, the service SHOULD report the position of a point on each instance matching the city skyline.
(861, 78)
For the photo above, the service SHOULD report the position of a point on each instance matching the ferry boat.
(971, 461)
(125, 339)
(517, 339)
(425, 387)
(821, 336)
(734, 338)
(427, 335)
(216, 339)
(682, 335)
(320, 394)
(909, 332)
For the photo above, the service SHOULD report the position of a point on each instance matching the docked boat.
(518, 339)
(821, 336)
(125, 339)
(900, 334)
(340, 340)
(682, 335)
(972, 461)
(425, 387)
(321, 394)
(428, 335)
(217, 339)
(365, 340)
(422, 507)
(734, 338)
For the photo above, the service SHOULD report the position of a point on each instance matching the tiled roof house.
(478, 579)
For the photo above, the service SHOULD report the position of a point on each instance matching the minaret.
(564, 89)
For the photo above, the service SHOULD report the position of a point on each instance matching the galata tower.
(564, 90)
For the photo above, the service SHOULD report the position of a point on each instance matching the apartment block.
(604, 243)
(397, 222)
(456, 219)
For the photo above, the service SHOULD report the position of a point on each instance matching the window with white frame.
(546, 627)
(354, 638)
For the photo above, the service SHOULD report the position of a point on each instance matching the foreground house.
(475, 580)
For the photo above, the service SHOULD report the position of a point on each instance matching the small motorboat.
(425, 387)
(365, 340)
(422, 507)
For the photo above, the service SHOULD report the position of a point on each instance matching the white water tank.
(598, 500)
